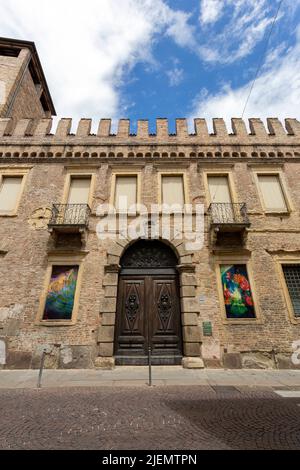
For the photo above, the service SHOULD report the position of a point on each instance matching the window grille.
(292, 278)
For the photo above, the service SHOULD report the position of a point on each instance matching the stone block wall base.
(107, 363)
(284, 361)
(258, 360)
(232, 361)
(76, 357)
(192, 363)
(18, 360)
(212, 363)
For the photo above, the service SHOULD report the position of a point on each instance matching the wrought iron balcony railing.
(70, 215)
(229, 214)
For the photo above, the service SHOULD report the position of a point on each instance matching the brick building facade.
(234, 302)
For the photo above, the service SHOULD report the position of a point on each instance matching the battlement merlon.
(38, 132)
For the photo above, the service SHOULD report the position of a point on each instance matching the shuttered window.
(292, 278)
(172, 190)
(9, 193)
(272, 193)
(79, 190)
(125, 192)
(219, 189)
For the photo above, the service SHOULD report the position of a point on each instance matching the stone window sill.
(243, 321)
(295, 320)
(6, 214)
(56, 323)
(278, 213)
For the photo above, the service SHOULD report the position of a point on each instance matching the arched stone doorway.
(148, 306)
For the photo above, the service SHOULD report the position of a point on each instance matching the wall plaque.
(207, 328)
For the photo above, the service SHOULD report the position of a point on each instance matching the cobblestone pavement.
(194, 417)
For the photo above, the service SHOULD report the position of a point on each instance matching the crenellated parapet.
(41, 132)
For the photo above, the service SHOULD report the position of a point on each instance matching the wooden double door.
(148, 316)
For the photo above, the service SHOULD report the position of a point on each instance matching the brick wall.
(27, 103)
(25, 247)
(21, 99)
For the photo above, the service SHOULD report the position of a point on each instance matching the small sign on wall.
(207, 328)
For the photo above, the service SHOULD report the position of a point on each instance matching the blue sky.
(163, 58)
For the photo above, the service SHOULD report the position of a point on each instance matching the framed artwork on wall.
(237, 293)
(61, 293)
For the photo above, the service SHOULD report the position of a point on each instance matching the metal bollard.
(150, 366)
(39, 384)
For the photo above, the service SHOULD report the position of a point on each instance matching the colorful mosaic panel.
(61, 293)
(237, 291)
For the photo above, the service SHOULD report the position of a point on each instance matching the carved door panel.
(164, 317)
(131, 333)
(148, 314)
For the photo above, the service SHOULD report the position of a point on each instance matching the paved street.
(140, 417)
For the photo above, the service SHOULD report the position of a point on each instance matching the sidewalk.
(161, 375)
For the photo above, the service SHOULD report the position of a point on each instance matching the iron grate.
(292, 279)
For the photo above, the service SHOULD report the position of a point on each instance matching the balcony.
(69, 218)
(228, 222)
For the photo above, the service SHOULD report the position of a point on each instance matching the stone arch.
(127, 244)
(188, 300)
(148, 313)
(153, 253)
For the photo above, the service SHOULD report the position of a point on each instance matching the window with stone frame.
(125, 191)
(272, 192)
(219, 189)
(172, 187)
(79, 190)
(10, 189)
(292, 279)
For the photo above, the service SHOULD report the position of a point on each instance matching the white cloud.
(179, 29)
(88, 48)
(276, 92)
(210, 10)
(244, 26)
(175, 76)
